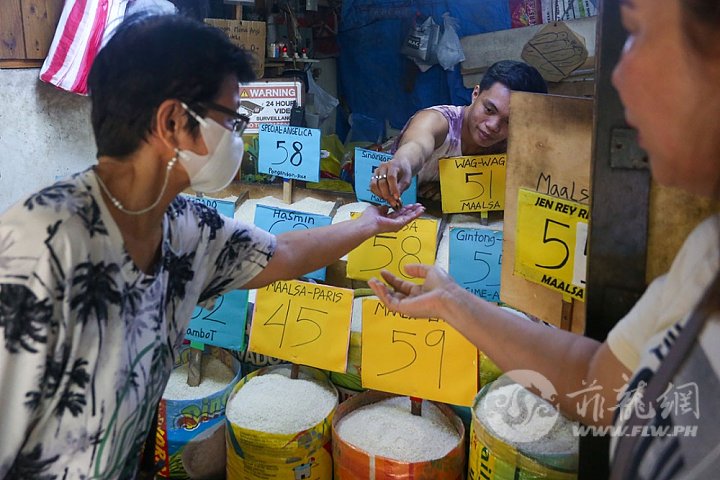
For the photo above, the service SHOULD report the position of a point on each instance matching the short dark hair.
(152, 58)
(701, 21)
(514, 75)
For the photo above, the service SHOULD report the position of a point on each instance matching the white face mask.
(215, 170)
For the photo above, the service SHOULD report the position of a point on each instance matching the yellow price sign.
(551, 242)
(415, 243)
(473, 184)
(424, 358)
(303, 323)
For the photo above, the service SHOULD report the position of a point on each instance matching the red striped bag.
(85, 26)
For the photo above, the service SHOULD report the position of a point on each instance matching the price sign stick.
(245, 195)
(484, 219)
(336, 206)
(416, 406)
(566, 314)
(294, 371)
(194, 367)
(287, 190)
(441, 231)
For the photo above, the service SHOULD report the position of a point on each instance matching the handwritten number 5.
(376, 244)
(395, 334)
(482, 188)
(547, 239)
(279, 146)
(302, 319)
(487, 267)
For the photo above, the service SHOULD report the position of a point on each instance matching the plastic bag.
(422, 41)
(324, 102)
(449, 50)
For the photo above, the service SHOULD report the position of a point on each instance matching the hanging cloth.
(85, 26)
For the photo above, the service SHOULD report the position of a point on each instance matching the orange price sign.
(303, 323)
(424, 358)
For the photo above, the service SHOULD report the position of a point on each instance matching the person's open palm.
(393, 221)
(407, 298)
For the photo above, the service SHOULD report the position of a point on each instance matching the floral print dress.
(87, 340)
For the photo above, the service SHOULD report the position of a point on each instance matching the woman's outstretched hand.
(385, 222)
(427, 300)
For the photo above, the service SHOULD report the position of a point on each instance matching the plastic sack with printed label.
(421, 42)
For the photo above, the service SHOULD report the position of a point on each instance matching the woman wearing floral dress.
(100, 273)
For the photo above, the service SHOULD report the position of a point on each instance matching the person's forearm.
(414, 153)
(516, 344)
(304, 251)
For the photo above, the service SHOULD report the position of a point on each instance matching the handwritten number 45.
(300, 319)
(295, 158)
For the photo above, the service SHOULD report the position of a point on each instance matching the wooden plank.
(248, 35)
(484, 49)
(20, 63)
(549, 145)
(40, 19)
(12, 42)
(674, 214)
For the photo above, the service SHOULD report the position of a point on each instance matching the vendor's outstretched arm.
(571, 362)
(302, 251)
(426, 131)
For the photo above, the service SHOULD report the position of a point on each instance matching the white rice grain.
(388, 429)
(215, 377)
(274, 403)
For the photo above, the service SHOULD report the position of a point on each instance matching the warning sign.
(268, 102)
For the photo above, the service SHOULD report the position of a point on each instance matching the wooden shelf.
(282, 61)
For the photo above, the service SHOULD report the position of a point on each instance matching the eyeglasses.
(239, 121)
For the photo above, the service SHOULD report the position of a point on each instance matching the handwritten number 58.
(295, 158)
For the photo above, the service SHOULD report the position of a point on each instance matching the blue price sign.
(289, 152)
(223, 325)
(224, 207)
(279, 220)
(475, 259)
(366, 161)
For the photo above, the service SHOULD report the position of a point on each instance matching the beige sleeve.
(628, 339)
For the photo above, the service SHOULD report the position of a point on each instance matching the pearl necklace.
(117, 204)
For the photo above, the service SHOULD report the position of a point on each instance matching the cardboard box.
(246, 34)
